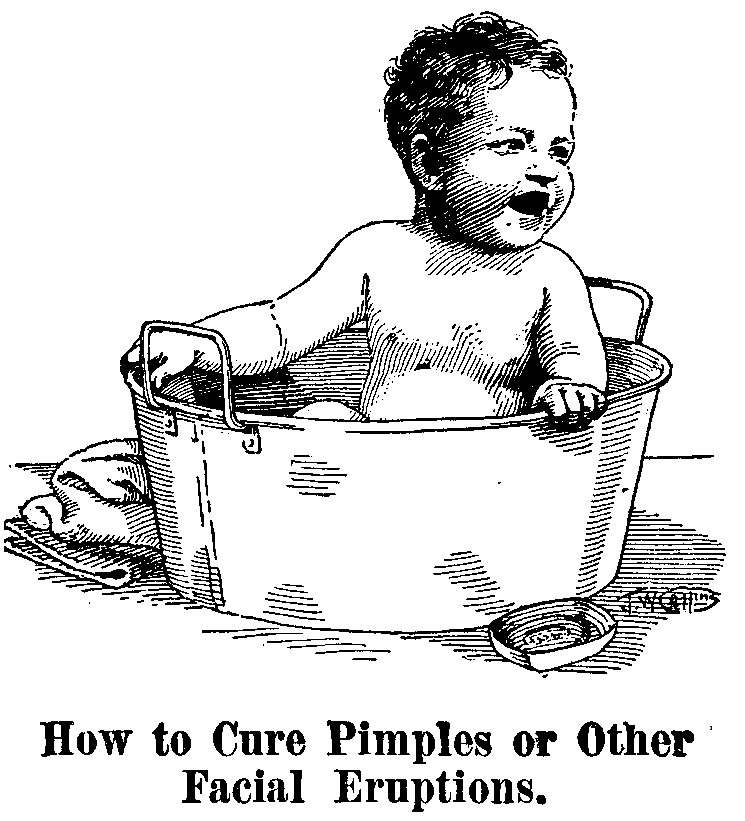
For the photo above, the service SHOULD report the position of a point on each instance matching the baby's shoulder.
(554, 266)
(385, 233)
(380, 242)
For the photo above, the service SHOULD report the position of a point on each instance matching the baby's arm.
(272, 333)
(269, 334)
(570, 348)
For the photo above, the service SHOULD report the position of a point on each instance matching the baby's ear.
(425, 163)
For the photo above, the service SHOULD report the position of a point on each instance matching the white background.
(166, 160)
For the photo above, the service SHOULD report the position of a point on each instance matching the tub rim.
(214, 415)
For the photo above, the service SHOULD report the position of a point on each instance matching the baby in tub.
(469, 312)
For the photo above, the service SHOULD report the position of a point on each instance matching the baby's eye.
(513, 145)
(561, 152)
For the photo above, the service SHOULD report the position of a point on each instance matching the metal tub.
(389, 526)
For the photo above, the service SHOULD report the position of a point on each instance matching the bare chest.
(487, 313)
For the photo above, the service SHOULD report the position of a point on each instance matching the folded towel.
(112, 567)
(101, 496)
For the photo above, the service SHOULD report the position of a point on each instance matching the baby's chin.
(512, 230)
(511, 237)
(509, 231)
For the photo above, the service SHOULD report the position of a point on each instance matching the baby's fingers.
(555, 400)
(160, 374)
(593, 402)
(584, 402)
(572, 399)
(571, 406)
(578, 415)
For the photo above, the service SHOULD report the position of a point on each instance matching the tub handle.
(153, 401)
(630, 288)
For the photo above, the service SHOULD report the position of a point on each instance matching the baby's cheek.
(500, 174)
(564, 189)
(484, 173)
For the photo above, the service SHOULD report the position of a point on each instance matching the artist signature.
(672, 601)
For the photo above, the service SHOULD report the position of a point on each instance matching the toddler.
(470, 313)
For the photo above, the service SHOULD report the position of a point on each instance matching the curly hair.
(430, 84)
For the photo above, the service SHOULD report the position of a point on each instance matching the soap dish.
(551, 634)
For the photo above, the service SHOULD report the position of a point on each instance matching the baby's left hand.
(571, 405)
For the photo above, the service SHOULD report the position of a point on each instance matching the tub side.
(179, 481)
(418, 525)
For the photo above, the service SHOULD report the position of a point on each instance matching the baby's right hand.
(570, 405)
(170, 355)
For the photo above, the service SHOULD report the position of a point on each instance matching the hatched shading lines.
(466, 570)
(313, 477)
(293, 601)
(320, 645)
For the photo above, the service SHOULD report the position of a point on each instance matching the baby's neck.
(430, 229)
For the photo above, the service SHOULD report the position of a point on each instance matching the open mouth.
(531, 203)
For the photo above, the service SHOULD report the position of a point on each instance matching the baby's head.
(481, 116)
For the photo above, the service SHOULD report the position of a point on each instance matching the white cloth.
(101, 495)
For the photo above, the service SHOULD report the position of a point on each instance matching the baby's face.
(505, 178)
